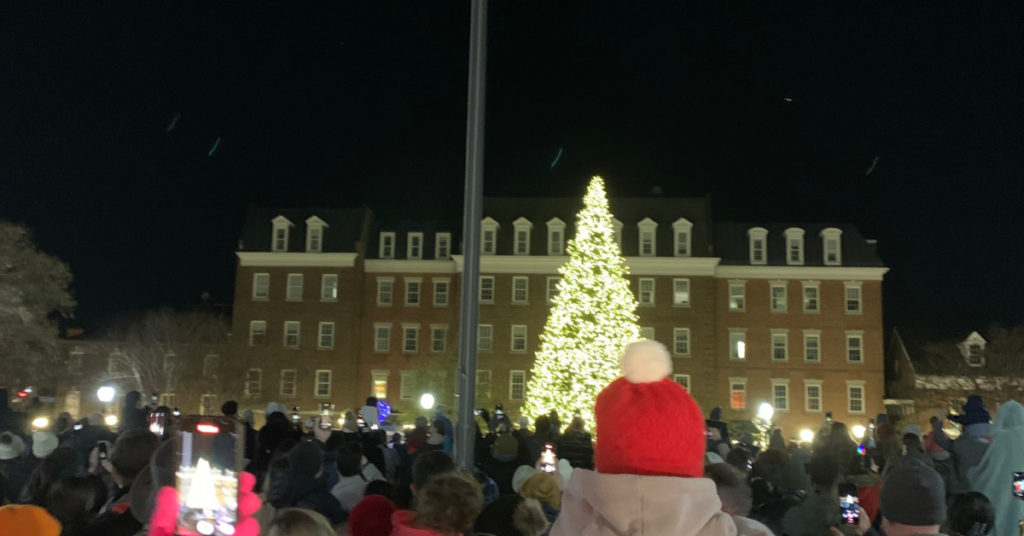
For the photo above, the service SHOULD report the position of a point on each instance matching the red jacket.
(400, 525)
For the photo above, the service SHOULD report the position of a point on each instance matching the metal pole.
(465, 430)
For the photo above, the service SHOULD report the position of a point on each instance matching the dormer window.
(488, 237)
(617, 227)
(556, 236)
(974, 357)
(387, 245)
(681, 231)
(442, 245)
(279, 238)
(794, 246)
(758, 237)
(522, 230)
(831, 246)
(315, 234)
(973, 349)
(647, 238)
(414, 246)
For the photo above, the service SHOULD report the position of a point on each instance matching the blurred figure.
(300, 522)
(820, 511)
(576, 446)
(733, 491)
(371, 517)
(22, 519)
(545, 488)
(913, 500)
(133, 412)
(12, 467)
(511, 515)
(1003, 457)
(448, 504)
(968, 449)
(970, 514)
(72, 501)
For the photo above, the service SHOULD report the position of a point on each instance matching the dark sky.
(777, 109)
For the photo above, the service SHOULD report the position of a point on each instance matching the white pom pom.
(646, 362)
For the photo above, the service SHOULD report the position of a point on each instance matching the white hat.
(522, 473)
(913, 429)
(43, 443)
(276, 407)
(11, 446)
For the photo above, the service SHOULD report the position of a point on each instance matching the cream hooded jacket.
(596, 504)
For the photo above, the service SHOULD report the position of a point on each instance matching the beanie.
(371, 517)
(306, 458)
(543, 487)
(22, 519)
(914, 494)
(522, 473)
(11, 446)
(275, 407)
(43, 443)
(644, 399)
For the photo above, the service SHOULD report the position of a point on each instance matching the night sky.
(777, 109)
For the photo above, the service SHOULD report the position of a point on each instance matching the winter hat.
(22, 519)
(522, 473)
(247, 417)
(276, 407)
(545, 488)
(625, 444)
(974, 412)
(306, 458)
(43, 443)
(371, 517)
(912, 429)
(11, 446)
(524, 422)
(716, 414)
(914, 494)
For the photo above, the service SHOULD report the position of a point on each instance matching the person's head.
(60, 464)
(823, 472)
(379, 487)
(229, 408)
(43, 443)
(371, 401)
(63, 423)
(542, 425)
(970, 514)
(131, 453)
(576, 425)
(306, 459)
(350, 459)
(524, 423)
(733, 490)
(371, 516)
(11, 446)
(132, 399)
(913, 500)
(545, 488)
(27, 519)
(248, 418)
(740, 458)
(428, 465)
(912, 443)
(449, 503)
(300, 522)
(421, 422)
(840, 434)
(73, 501)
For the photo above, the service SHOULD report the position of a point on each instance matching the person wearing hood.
(645, 484)
(277, 429)
(820, 512)
(133, 413)
(306, 485)
(1003, 457)
(968, 449)
(445, 427)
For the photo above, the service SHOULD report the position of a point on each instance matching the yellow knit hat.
(23, 519)
(543, 487)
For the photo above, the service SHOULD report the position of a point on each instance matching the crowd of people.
(657, 466)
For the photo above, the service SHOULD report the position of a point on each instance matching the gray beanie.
(914, 494)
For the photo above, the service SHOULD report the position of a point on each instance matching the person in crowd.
(444, 426)
(12, 466)
(446, 505)
(127, 458)
(512, 515)
(277, 429)
(913, 500)
(58, 465)
(379, 487)
(370, 413)
(651, 483)
(734, 492)
(546, 488)
(356, 473)
(942, 462)
(390, 457)
(372, 441)
(861, 473)
(427, 466)
(770, 504)
(913, 445)
(10, 420)
(249, 421)
(888, 447)
(133, 412)
(416, 440)
(542, 435)
(307, 487)
(740, 458)
(300, 522)
(24, 519)
(841, 445)
(576, 445)
(503, 460)
(435, 436)
(820, 510)
(969, 514)
(62, 426)
(1003, 457)
(968, 449)
(371, 517)
(72, 501)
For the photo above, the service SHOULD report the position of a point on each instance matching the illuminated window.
(738, 393)
(380, 384)
(737, 343)
(681, 292)
(737, 296)
(329, 287)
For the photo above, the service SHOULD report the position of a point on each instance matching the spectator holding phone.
(968, 449)
(913, 500)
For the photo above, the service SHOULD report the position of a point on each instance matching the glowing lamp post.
(106, 394)
(763, 421)
(858, 432)
(427, 401)
(806, 435)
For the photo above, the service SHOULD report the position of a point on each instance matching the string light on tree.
(592, 318)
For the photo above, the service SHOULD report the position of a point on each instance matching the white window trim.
(526, 298)
(301, 278)
(794, 234)
(785, 296)
(512, 374)
(617, 230)
(406, 384)
(406, 327)
(316, 383)
(556, 225)
(252, 331)
(863, 396)
(689, 342)
(847, 285)
(480, 289)
(485, 373)
(444, 338)
(295, 383)
(741, 284)
(447, 291)
(258, 381)
(418, 281)
(446, 239)
(827, 234)
(380, 286)
(789, 395)
(320, 335)
(754, 234)
(675, 282)
(549, 295)
(256, 276)
(742, 332)
(512, 339)
(323, 286)
(644, 226)
(280, 222)
(377, 326)
(639, 291)
(737, 380)
(409, 253)
(784, 335)
(816, 334)
(816, 285)
(521, 225)
(807, 399)
(298, 334)
(489, 224)
(490, 347)
(677, 377)
(859, 335)
(384, 238)
(682, 228)
(314, 223)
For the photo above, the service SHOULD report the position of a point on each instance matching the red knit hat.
(371, 517)
(648, 424)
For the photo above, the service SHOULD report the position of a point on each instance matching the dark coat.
(578, 448)
(277, 429)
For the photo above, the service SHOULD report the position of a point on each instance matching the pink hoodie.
(596, 504)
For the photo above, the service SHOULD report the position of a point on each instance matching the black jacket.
(578, 448)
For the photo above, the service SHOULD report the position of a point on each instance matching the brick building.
(335, 305)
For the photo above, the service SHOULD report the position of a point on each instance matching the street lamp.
(765, 411)
(105, 394)
(858, 432)
(427, 401)
(806, 435)
(110, 420)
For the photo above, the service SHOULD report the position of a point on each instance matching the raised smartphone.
(210, 456)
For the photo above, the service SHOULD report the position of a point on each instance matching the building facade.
(336, 305)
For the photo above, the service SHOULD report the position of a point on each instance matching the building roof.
(342, 234)
(935, 354)
(732, 244)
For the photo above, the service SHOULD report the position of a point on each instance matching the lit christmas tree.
(592, 319)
